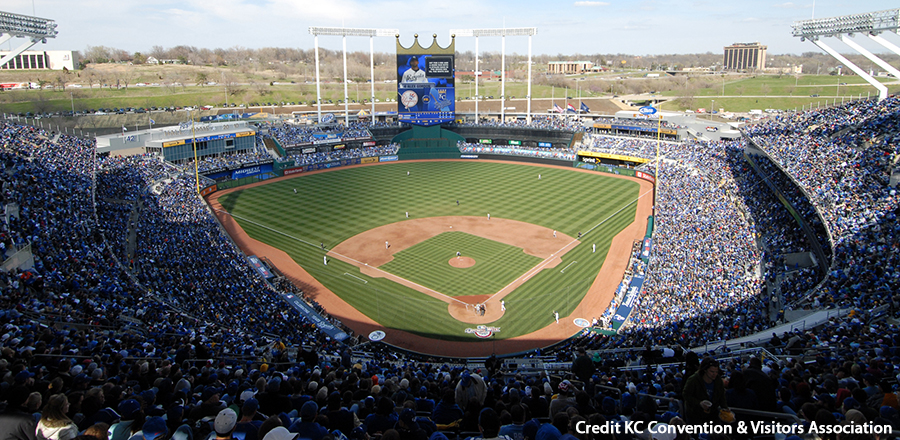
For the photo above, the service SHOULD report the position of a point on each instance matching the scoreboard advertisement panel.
(425, 89)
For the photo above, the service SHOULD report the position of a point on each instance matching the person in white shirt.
(413, 74)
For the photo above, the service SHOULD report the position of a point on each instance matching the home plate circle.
(462, 262)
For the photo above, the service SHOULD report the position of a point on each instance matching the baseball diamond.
(411, 289)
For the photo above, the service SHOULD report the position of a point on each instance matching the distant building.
(745, 56)
(569, 67)
(41, 60)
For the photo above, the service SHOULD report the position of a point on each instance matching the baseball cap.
(280, 433)
(154, 427)
(225, 421)
(129, 409)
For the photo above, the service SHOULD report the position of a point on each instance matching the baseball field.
(416, 246)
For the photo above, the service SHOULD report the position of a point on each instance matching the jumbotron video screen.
(425, 93)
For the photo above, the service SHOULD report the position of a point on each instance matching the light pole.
(712, 107)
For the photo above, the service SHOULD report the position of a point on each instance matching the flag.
(557, 108)
(124, 129)
(569, 108)
(585, 108)
(153, 122)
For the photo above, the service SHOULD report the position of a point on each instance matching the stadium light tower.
(844, 27)
(503, 32)
(353, 32)
(24, 26)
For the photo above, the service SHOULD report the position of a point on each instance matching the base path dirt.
(594, 303)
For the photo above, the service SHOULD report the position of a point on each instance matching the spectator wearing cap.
(272, 401)
(54, 424)
(154, 429)
(224, 425)
(280, 433)
(247, 426)
(470, 385)
(384, 417)
(16, 422)
(131, 420)
(306, 424)
(407, 426)
(704, 393)
(563, 400)
(209, 406)
(423, 403)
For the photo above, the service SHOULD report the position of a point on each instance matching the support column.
(503, 77)
(477, 96)
(346, 105)
(372, 77)
(528, 114)
(882, 89)
(318, 90)
(870, 56)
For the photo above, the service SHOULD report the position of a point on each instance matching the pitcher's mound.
(462, 262)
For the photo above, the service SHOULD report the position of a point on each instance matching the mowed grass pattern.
(335, 205)
(496, 264)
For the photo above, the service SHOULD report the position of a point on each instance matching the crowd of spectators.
(544, 122)
(635, 122)
(510, 150)
(228, 160)
(134, 323)
(350, 153)
(288, 135)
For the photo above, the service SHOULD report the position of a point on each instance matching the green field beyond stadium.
(496, 264)
(332, 206)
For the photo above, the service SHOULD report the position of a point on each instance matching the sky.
(567, 27)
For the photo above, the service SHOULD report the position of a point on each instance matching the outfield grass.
(496, 264)
(336, 205)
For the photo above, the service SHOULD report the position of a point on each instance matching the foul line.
(534, 270)
(345, 258)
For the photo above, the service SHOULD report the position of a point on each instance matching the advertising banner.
(290, 171)
(252, 171)
(425, 84)
(260, 267)
(631, 297)
(369, 160)
(388, 158)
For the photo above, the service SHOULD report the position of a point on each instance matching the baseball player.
(502, 305)
(457, 202)
(489, 216)
(325, 259)
(295, 190)
(593, 248)
(539, 176)
(457, 254)
(407, 173)
(386, 245)
(554, 234)
(556, 316)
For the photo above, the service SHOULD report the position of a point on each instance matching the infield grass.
(333, 206)
(426, 263)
